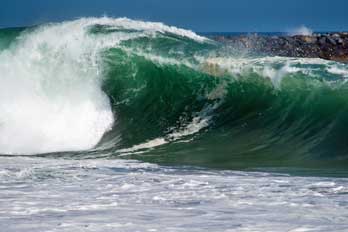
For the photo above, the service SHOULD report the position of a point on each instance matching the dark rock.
(332, 46)
(331, 40)
(322, 41)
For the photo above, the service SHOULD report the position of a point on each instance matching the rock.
(322, 41)
(309, 39)
(340, 41)
(332, 46)
(331, 40)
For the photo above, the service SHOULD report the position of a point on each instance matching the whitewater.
(123, 125)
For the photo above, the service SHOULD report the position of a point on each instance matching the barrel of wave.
(51, 98)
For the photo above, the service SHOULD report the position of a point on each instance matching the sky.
(196, 15)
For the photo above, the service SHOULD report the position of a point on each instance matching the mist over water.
(102, 116)
(302, 30)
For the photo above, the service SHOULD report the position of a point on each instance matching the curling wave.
(103, 87)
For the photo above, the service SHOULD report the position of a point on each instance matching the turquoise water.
(107, 107)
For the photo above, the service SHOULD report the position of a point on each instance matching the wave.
(103, 87)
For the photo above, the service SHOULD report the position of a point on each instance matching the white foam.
(338, 71)
(199, 122)
(272, 68)
(150, 27)
(238, 67)
(124, 195)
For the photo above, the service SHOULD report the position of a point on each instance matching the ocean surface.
(121, 125)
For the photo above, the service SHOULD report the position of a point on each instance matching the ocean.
(122, 125)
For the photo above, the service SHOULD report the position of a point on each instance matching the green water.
(181, 101)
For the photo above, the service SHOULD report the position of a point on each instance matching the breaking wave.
(103, 87)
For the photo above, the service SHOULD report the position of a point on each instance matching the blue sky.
(197, 15)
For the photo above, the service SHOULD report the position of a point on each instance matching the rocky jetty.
(331, 46)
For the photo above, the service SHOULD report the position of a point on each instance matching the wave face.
(102, 87)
